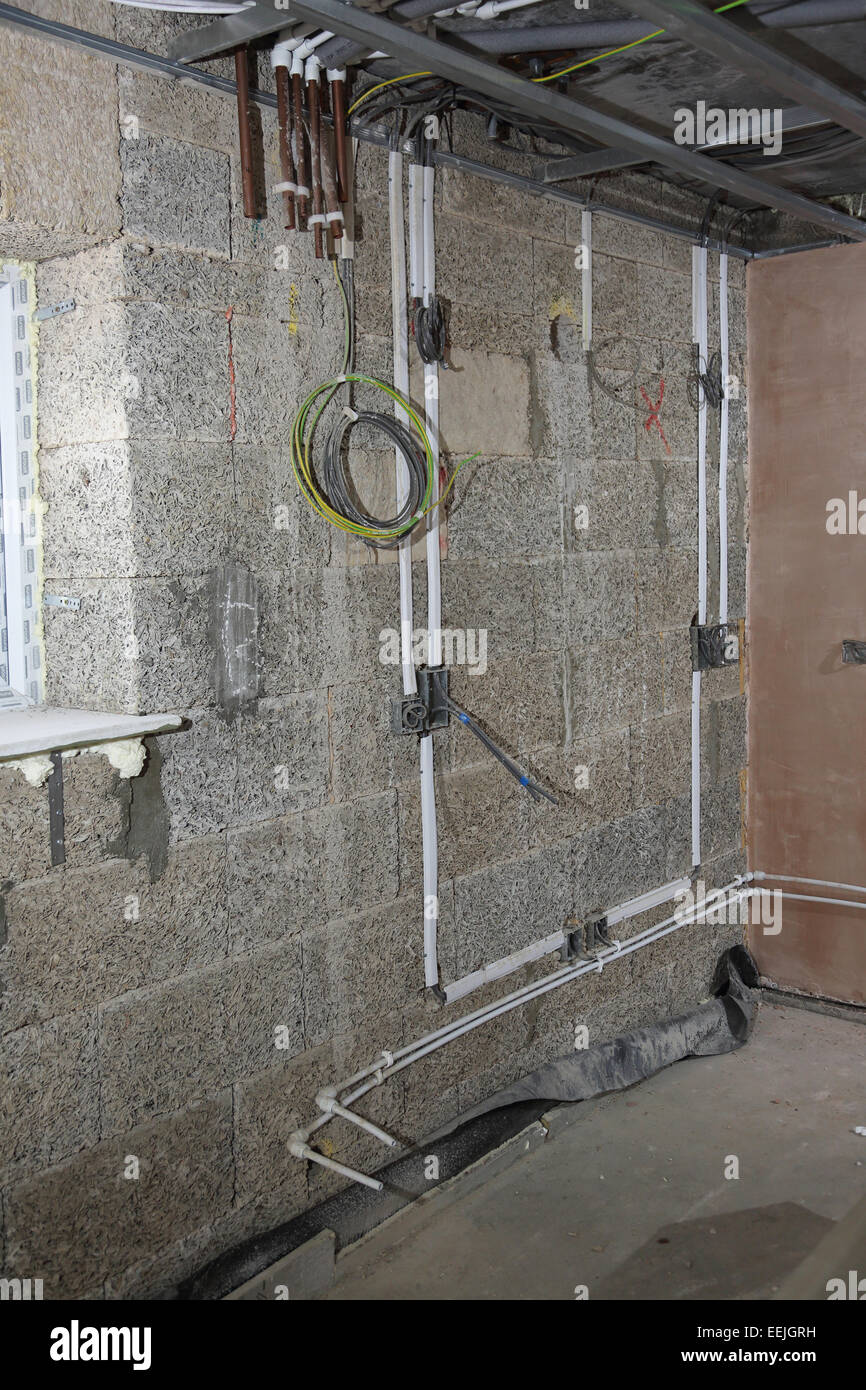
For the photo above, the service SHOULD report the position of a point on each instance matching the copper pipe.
(242, 77)
(329, 182)
(300, 147)
(284, 116)
(338, 103)
(316, 161)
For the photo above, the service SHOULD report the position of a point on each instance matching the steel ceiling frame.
(376, 31)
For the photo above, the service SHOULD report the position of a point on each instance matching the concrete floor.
(628, 1196)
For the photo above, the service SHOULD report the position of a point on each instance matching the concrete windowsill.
(43, 729)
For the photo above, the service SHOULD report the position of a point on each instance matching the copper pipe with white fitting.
(280, 61)
(317, 219)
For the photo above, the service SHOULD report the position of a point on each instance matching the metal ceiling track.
(713, 33)
(110, 49)
(521, 95)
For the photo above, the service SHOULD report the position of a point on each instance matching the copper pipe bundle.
(300, 147)
(316, 163)
(338, 107)
(242, 78)
(287, 164)
(329, 183)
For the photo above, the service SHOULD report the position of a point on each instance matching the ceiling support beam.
(713, 33)
(551, 107)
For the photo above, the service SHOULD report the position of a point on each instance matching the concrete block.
(178, 373)
(598, 596)
(93, 278)
(96, 809)
(666, 590)
(483, 201)
(273, 523)
(479, 823)
(24, 843)
(519, 703)
(358, 842)
(179, 110)
(492, 270)
(268, 384)
(661, 758)
(614, 236)
(560, 402)
(364, 751)
(84, 391)
(672, 363)
(500, 599)
(174, 194)
(221, 1023)
(556, 292)
(199, 774)
(50, 1086)
(282, 757)
(275, 887)
(614, 296)
(614, 684)
(501, 429)
(276, 884)
(507, 906)
(90, 655)
(85, 1221)
(591, 780)
(60, 186)
(161, 508)
(612, 419)
(614, 505)
(360, 972)
(506, 507)
(663, 305)
(722, 826)
(473, 327)
(133, 933)
(618, 861)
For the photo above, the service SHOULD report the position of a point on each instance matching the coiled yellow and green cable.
(303, 429)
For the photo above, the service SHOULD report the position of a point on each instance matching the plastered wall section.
(242, 924)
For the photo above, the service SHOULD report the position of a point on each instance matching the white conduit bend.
(699, 337)
(388, 1063)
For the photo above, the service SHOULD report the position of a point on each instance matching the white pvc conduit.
(586, 277)
(421, 284)
(400, 329)
(759, 876)
(723, 439)
(699, 337)
(388, 1063)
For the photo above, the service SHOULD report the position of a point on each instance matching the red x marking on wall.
(654, 412)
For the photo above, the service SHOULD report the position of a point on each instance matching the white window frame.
(21, 663)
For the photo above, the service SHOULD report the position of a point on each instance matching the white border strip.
(507, 965)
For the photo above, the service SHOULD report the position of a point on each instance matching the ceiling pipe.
(591, 33)
(601, 34)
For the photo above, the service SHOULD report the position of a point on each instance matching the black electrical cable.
(704, 381)
(338, 485)
(428, 328)
(535, 791)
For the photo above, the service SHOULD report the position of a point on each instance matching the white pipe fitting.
(312, 68)
(299, 1149)
(310, 45)
(329, 1105)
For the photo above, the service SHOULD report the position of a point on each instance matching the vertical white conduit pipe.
(420, 267)
(586, 276)
(699, 336)
(400, 331)
(723, 439)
